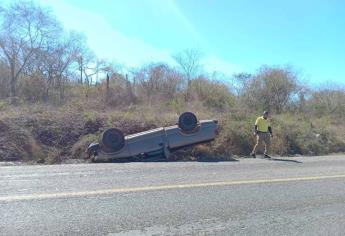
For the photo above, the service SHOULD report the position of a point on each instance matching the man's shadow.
(286, 160)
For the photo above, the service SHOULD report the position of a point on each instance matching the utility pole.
(81, 69)
(107, 90)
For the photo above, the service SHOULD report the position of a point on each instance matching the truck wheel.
(187, 121)
(112, 140)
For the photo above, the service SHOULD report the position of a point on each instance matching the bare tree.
(85, 58)
(158, 81)
(94, 68)
(145, 82)
(271, 88)
(4, 75)
(241, 83)
(189, 62)
(25, 28)
(329, 99)
(66, 54)
(56, 62)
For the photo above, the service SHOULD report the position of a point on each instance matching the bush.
(78, 149)
(214, 95)
(18, 144)
(33, 89)
(236, 137)
(300, 135)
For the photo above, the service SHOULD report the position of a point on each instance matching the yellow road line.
(161, 187)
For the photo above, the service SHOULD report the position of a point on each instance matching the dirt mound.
(18, 144)
(54, 137)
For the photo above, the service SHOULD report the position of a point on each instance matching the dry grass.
(50, 134)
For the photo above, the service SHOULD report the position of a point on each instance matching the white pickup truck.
(161, 141)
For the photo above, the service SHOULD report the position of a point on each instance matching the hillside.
(49, 134)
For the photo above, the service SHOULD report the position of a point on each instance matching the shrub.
(214, 95)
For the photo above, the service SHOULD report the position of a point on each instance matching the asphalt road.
(299, 196)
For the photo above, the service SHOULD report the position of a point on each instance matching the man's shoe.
(267, 156)
(253, 155)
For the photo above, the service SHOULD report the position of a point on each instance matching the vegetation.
(56, 97)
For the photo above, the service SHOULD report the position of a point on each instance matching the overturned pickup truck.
(156, 142)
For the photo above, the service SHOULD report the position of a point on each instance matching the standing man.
(263, 133)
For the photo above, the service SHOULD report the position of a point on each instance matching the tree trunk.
(13, 83)
(129, 90)
(189, 84)
(81, 70)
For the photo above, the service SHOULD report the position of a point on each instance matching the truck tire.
(113, 140)
(187, 122)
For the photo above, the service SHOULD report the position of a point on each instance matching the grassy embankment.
(49, 134)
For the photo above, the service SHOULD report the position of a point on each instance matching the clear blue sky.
(234, 35)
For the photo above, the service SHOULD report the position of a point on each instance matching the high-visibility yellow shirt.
(262, 124)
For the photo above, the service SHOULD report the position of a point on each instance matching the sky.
(233, 35)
